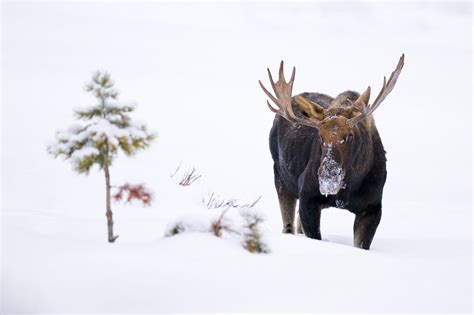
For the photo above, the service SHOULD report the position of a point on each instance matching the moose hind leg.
(365, 225)
(287, 203)
(287, 208)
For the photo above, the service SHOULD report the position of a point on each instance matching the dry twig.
(213, 202)
(189, 178)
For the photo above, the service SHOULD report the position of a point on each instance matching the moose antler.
(283, 91)
(387, 87)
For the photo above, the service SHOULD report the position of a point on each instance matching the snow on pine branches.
(102, 130)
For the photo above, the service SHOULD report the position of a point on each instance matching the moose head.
(337, 126)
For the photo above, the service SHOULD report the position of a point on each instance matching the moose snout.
(330, 176)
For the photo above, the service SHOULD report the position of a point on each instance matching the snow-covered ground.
(193, 71)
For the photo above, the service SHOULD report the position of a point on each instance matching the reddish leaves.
(138, 192)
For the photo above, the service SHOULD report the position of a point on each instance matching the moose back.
(327, 152)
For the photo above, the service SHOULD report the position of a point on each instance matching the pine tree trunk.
(108, 214)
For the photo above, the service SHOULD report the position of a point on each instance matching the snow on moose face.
(330, 175)
(336, 137)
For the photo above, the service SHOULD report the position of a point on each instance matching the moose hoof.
(288, 230)
(361, 245)
(315, 236)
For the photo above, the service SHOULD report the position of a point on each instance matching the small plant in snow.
(220, 225)
(103, 129)
(252, 237)
(244, 225)
(175, 229)
(138, 192)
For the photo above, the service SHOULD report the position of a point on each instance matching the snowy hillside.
(192, 70)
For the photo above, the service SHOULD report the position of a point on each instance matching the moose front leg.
(310, 216)
(365, 225)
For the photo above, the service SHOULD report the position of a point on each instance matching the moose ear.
(310, 108)
(363, 100)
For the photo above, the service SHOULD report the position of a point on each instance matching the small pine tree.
(102, 130)
(253, 241)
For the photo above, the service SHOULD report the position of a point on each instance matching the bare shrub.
(138, 192)
(177, 169)
(189, 177)
(217, 226)
(214, 202)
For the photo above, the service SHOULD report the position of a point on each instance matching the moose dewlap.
(327, 152)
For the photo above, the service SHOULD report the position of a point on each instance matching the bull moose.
(327, 152)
